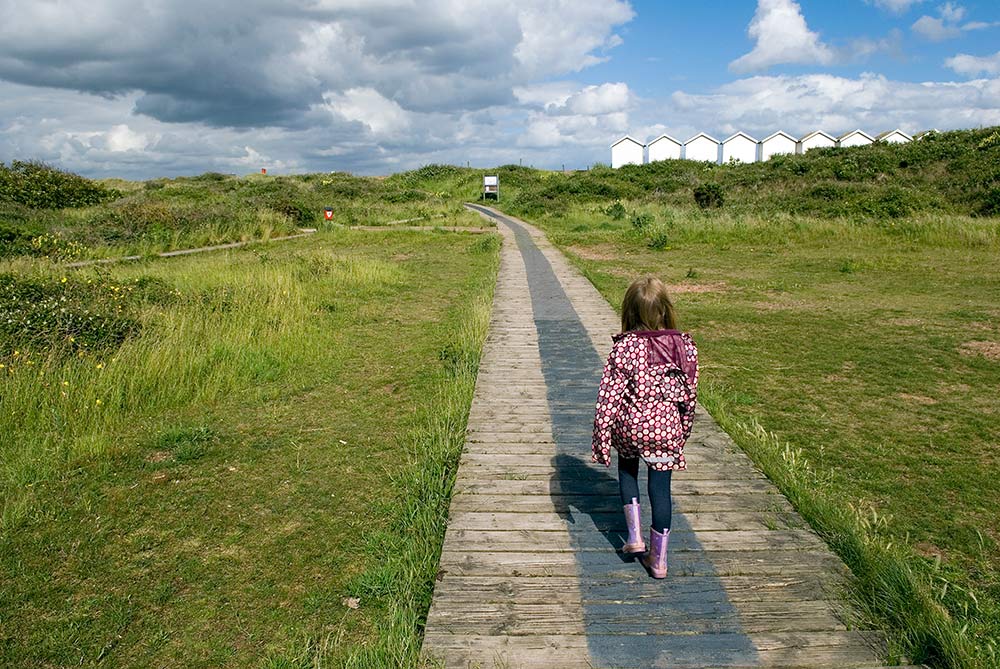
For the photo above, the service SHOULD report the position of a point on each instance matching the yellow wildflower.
(100, 365)
(65, 383)
(63, 280)
(99, 403)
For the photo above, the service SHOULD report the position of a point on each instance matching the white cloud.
(366, 105)
(935, 29)
(585, 118)
(545, 94)
(971, 66)
(123, 138)
(562, 35)
(800, 104)
(895, 6)
(781, 37)
(947, 24)
(603, 99)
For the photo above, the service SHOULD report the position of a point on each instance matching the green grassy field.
(247, 443)
(198, 457)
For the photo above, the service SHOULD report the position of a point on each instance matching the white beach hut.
(896, 136)
(779, 142)
(626, 151)
(740, 147)
(854, 138)
(664, 147)
(702, 147)
(817, 140)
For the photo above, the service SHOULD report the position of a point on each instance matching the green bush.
(989, 205)
(709, 196)
(40, 186)
(616, 211)
(642, 221)
(70, 313)
(658, 238)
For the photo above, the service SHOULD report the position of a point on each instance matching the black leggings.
(659, 490)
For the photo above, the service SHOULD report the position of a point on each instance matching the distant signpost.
(328, 213)
(491, 187)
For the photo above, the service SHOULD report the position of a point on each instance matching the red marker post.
(328, 213)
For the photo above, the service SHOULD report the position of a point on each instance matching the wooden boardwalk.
(530, 572)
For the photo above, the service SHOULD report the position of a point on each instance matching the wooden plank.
(834, 649)
(683, 503)
(544, 542)
(720, 563)
(699, 617)
(568, 467)
(605, 587)
(605, 486)
(615, 520)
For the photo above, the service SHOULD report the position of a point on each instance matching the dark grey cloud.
(166, 87)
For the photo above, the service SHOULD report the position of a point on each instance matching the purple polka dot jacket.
(645, 405)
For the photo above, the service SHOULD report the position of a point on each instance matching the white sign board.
(490, 181)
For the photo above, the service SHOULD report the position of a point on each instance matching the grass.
(855, 360)
(276, 438)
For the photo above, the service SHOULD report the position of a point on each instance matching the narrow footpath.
(530, 572)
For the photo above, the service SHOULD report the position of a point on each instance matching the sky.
(149, 88)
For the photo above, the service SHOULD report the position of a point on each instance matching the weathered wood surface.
(530, 575)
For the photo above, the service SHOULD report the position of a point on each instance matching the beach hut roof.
(778, 134)
(662, 137)
(739, 134)
(857, 132)
(629, 138)
(818, 132)
(702, 134)
(897, 131)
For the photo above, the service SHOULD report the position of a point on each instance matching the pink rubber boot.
(632, 516)
(655, 561)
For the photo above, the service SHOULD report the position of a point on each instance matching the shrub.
(296, 211)
(989, 205)
(488, 243)
(70, 313)
(658, 238)
(642, 221)
(709, 196)
(40, 186)
(892, 203)
(616, 211)
(990, 141)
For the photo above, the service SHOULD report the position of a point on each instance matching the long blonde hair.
(647, 306)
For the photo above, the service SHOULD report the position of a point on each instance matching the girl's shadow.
(579, 487)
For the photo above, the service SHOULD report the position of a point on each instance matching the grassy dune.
(142, 218)
(272, 440)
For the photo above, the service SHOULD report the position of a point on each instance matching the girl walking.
(645, 411)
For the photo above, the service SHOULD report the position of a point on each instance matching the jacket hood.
(667, 347)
